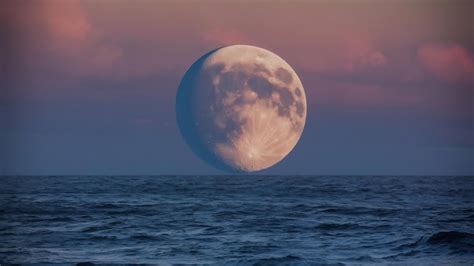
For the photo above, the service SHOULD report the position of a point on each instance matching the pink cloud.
(68, 41)
(67, 20)
(75, 42)
(360, 53)
(59, 44)
(342, 53)
(451, 63)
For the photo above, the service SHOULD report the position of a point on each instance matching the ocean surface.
(237, 220)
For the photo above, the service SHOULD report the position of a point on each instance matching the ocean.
(237, 220)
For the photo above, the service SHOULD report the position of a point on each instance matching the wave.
(355, 211)
(144, 237)
(85, 264)
(60, 219)
(452, 242)
(91, 229)
(459, 219)
(348, 226)
(286, 260)
(102, 237)
(334, 226)
(452, 237)
(365, 258)
(107, 206)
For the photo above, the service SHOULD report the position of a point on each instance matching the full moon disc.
(241, 108)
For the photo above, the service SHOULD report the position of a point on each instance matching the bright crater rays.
(242, 108)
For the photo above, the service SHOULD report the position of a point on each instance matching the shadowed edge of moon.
(185, 116)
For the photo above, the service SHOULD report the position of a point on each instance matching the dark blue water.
(237, 220)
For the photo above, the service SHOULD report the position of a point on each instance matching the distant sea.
(237, 220)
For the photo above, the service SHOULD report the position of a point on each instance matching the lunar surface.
(241, 108)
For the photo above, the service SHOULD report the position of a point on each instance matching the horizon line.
(236, 175)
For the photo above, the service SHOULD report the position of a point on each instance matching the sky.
(89, 87)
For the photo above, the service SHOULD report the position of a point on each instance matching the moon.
(241, 108)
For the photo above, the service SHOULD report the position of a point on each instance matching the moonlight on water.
(241, 108)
